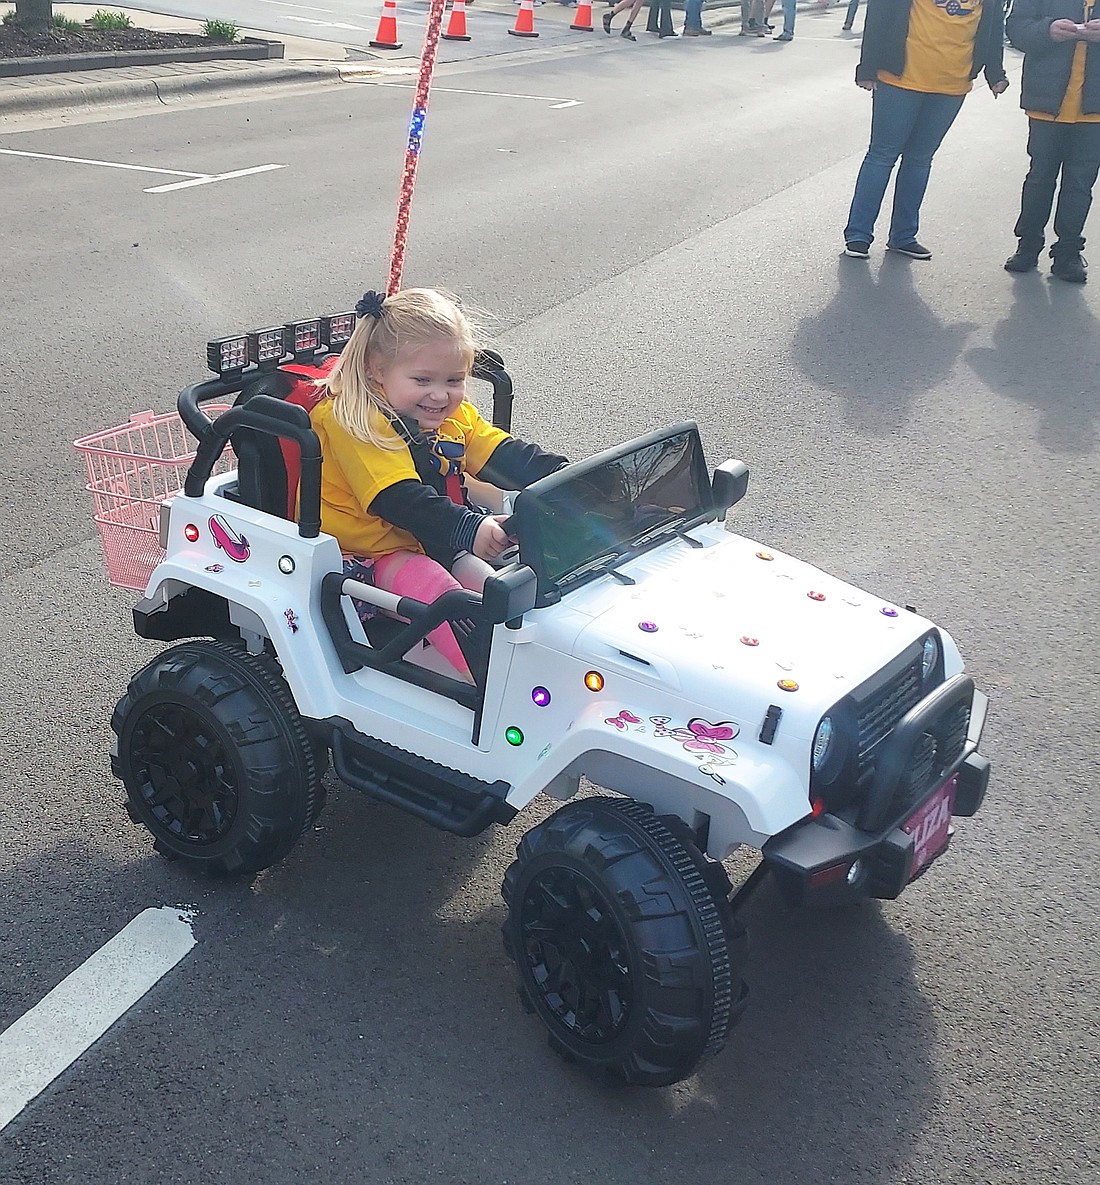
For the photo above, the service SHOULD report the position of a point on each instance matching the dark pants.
(660, 17)
(1072, 149)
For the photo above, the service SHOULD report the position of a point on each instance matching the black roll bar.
(489, 367)
(273, 417)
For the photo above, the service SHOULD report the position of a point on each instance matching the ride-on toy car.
(723, 693)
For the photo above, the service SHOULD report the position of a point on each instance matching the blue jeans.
(909, 124)
(850, 16)
(693, 14)
(788, 17)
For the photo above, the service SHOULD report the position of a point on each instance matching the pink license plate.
(930, 824)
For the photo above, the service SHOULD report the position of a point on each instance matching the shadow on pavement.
(1049, 334)
(877, 344)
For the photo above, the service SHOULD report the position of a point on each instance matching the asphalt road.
(668, 247)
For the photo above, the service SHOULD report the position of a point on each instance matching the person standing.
(1061, 95)
(789, 12)
(919, 59)
(660, 18)
(693, 19)
(755, 17)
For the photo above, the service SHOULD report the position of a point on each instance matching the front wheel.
(215, 758)
(622, 947)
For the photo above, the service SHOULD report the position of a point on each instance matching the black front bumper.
(829, 859)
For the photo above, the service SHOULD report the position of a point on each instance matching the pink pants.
(409, 574)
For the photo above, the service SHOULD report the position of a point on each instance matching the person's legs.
(1044, 147)
(789, 12)
(664, 23)
(936, 113)
(1080, 165)
(893, 113)
(850, 16)
(693, 17)
(409, 574)
(635, 8)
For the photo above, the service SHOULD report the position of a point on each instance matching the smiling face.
(426, 382)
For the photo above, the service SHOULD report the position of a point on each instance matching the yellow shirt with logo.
(354, 473)
(939, 51)
(1070, 111)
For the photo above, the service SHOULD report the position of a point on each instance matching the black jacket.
(1047, 63)
(886, 26)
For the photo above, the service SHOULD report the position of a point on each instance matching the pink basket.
(132, 469)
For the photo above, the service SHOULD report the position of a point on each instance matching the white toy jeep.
(725, 694)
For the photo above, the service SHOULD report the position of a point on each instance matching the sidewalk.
(305, 61)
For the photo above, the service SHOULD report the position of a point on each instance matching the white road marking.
(105, 164)
(557, 103)
(193, 179)
(201, 180)
(303, 7)
(308, 20)
(65, 1023)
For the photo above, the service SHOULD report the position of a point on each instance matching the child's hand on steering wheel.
(491, 539)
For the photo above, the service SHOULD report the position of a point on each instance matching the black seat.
(261, 472)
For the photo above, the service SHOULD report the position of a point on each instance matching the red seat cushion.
(305, 393)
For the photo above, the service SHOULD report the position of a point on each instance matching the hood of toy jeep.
(737, 625)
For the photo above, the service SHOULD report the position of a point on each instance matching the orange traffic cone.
(525, 20)
(386, 37)
(583, 23)
(456, 26)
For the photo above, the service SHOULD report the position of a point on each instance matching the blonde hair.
(411, 317)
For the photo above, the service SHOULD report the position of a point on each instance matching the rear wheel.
(623, 948)
(215, 758)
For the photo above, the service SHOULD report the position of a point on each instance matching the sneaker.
(858, 249)
(768, 28)
(1022, 261)
(704, 32)
(672, 34)
(785, 37)
(1071, 268)
(752, 29)
(692, 33)
(914, 250)
(846, 28)
(607, 23)
(628, 35)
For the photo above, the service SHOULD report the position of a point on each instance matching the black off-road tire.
(623, 942)
(215, 758)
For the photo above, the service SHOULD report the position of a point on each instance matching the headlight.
(930, 658)
(824, 740)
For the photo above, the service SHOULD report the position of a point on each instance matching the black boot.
(1071, 268)
(1022, 261)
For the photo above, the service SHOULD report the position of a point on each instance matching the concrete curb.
(250, 49)
(155, 90)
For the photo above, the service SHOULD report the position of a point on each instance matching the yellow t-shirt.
(939, 51)
(1070, 111)
(354, 473)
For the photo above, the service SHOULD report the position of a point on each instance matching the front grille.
(954, 737)
(920, 775)
(878, 714)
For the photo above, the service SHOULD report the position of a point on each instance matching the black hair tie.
(370, 305)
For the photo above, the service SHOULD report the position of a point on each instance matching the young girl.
(398, 438)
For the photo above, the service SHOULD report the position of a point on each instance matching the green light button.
(513, 736)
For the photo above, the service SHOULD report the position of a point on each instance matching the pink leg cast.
(413, 575)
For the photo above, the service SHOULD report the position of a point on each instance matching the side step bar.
(443, 797)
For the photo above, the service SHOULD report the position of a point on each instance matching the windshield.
(598, 510)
